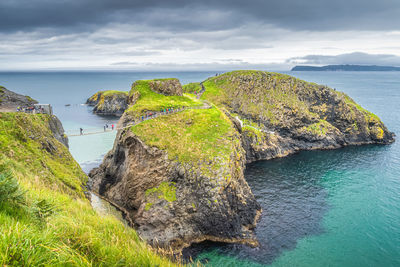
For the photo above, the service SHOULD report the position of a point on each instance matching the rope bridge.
(92, 131)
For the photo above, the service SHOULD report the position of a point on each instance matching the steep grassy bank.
(44, 217)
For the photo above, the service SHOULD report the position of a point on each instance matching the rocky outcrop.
(112, 103)
(166, 86)
(57, 129)
(180, 177)
(9, 101)
(176, 202)
(282, 115)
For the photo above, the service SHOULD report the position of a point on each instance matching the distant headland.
(346, 68)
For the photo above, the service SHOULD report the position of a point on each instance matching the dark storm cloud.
(185, 15)
(351, 58)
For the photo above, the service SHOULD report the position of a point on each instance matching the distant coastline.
(346, 68)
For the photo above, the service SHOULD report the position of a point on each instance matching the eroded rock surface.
(112, 103)
(166, 87)
(175, 204)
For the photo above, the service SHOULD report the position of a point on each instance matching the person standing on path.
(81, 131)
(112, 126)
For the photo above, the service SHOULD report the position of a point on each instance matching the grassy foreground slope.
(44, 217)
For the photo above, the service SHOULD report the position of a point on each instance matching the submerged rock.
(112, 103)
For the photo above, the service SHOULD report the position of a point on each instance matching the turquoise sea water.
(321, 208)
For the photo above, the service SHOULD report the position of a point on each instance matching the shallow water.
(321, 208)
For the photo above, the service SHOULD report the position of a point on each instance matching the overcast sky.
(196, 35)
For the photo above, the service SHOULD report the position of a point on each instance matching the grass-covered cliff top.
(256, 93)
(148, 100)
(191, 135)
(197, 135)
(45, 220)
(99, 96)
(275, 98)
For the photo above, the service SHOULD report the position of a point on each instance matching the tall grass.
(45, 220)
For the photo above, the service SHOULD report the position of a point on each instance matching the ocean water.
(320, 208)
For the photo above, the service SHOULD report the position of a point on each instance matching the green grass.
(165, 190)
(349, 101)
(265, 95)
(190, 88)
(319, 128)
(55, 224)
(114, 92)
(151, 101)
(99, 96)
(191, 135)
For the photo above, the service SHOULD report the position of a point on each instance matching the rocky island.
(112, 103)
(180, 177)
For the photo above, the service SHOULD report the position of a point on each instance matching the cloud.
(206, 15)
(94, 33)
(357, 58)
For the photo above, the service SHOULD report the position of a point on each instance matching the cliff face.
(57, 129)
(109, 102)
(180, 178)
(166, 87)
(282, 114)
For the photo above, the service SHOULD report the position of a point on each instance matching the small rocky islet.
(180, 177)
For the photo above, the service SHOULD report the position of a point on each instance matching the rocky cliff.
(166, 87)
(180, 176)
(109, 102)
